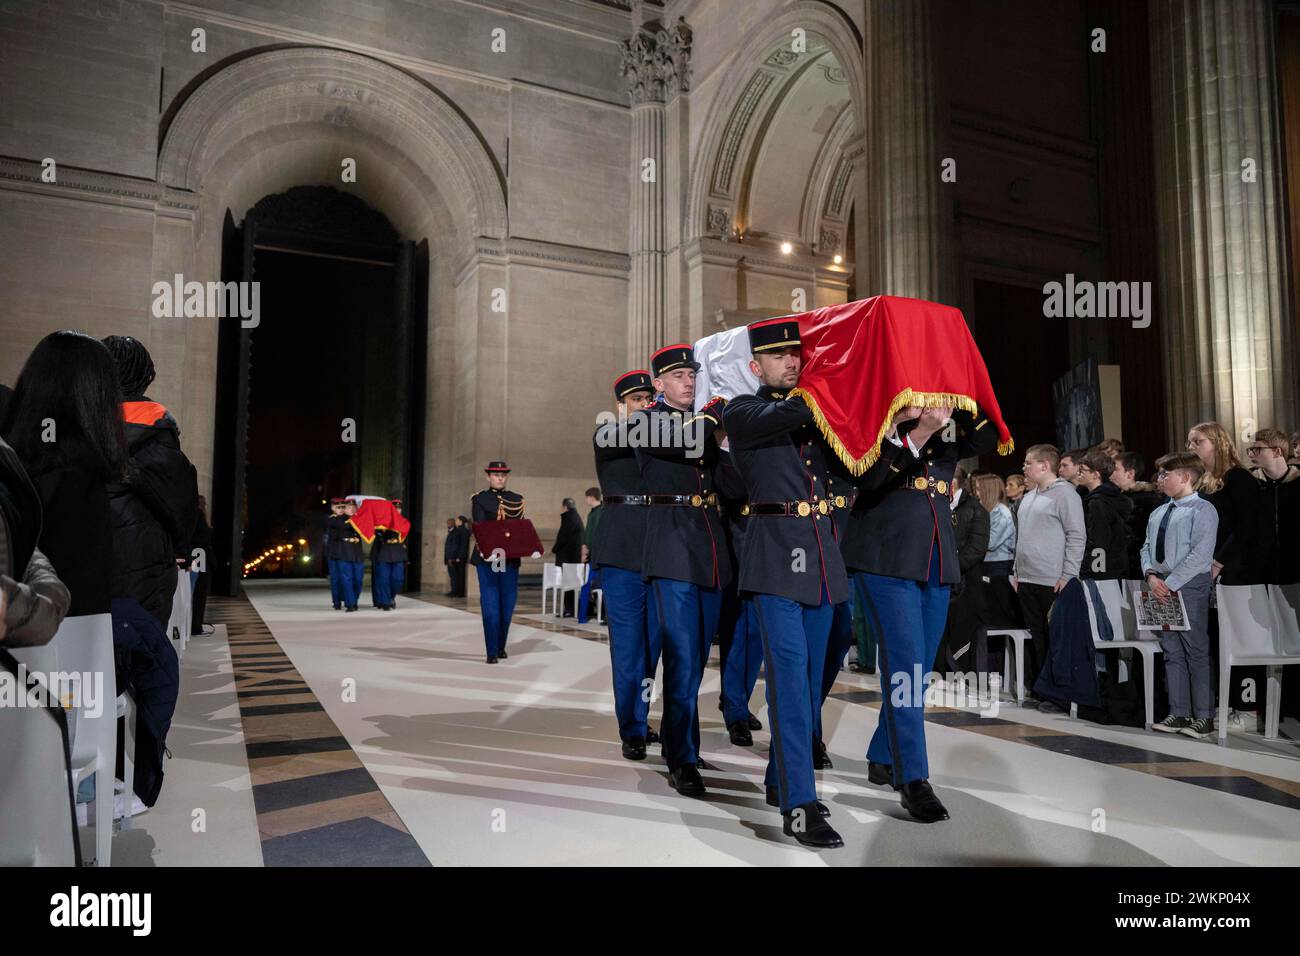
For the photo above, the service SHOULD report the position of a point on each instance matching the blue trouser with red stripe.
(633, 646)
(688, 616)
(496, 595)
(794, 654)
(908, 618)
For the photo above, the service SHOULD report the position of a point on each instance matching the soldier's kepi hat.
(498, 467)
(673, 356)
(634, 381)
(336, 501)
(772, 334)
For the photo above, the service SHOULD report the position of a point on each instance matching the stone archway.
(311, 87)
(733, 125)
(285, 118)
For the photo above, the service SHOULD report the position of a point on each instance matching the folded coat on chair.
(1070, 672)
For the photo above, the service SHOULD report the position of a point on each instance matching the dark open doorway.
(325, 396)
(1025, 354)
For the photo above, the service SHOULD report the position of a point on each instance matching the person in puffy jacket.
(156, 507)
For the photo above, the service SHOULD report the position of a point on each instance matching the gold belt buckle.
(696, 501)
(804, 509)
(744, 510)
(823, 507)
(941, 487)
(839, 501)
(711, 499)
(919, 483)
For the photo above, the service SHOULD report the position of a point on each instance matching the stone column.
(1223, 285)
(656, 65)
(901, 248)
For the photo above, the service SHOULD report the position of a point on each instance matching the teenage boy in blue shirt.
(1176, 557)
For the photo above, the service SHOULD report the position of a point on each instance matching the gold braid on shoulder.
(510, 509)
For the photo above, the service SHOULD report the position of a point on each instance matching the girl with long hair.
(63, 421)
(1231, 489)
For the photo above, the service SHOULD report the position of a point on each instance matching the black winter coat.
(970, 528)
(1106, 516)
(568, 542)
(154, 510)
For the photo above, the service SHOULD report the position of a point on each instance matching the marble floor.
(376, 738)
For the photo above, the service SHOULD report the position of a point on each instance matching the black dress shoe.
(774, 800)
(740, 735)
(686, 780)
(879, 773)
(755, 723)
(349, 610)
(821, 759)
(806, 824)
(704, 764)
(491, 660)
(919, 800)
(634, 748)
(503, 655)
(652, 736)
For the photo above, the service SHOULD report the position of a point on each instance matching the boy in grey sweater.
(1049, 549)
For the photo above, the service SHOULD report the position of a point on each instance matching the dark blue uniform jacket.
(783, 458)
(683, 542)
(893, 524)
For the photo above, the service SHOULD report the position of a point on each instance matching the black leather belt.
(625, 500)
(795, 509)
(692, 501)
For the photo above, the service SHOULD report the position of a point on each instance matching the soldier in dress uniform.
(336, 527)
(685, 559)
(902, 554)
(497, 584)
(388, 565)
(790, 564)
(351, 560)
(616, 552)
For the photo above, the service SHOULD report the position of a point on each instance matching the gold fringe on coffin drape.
(903, 399)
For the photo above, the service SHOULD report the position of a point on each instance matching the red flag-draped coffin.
(865, 360)
(377, 513)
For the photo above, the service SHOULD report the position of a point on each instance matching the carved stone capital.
(657, 62)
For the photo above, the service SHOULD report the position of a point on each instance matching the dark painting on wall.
(1076, 398)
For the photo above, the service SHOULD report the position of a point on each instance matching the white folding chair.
(36, 829)
(1257, 625)
(178, 625)
(550, 583)
(1016, 637)
(1117, 604)
(572, 578)
(85, 646)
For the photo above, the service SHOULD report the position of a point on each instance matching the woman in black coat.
(64, 425)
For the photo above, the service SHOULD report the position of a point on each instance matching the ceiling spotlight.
(786, 248)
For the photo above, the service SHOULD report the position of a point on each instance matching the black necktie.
(1160, 534)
